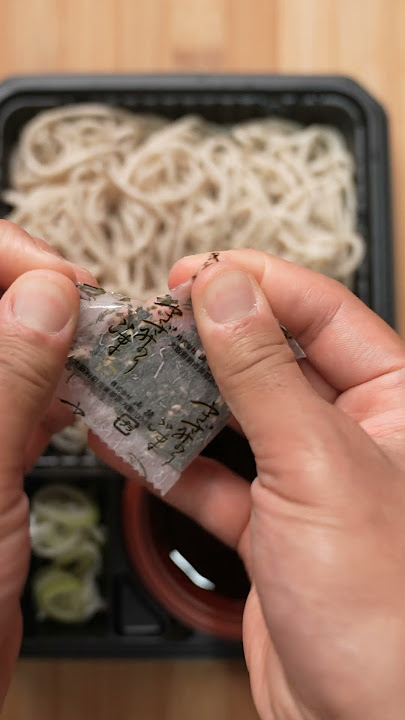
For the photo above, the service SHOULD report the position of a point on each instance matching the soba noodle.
(126, 195)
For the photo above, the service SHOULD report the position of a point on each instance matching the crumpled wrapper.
(138, 376)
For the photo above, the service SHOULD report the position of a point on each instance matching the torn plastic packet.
(138, 376)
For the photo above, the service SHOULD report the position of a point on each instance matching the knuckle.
(23, 364)
(14, 546)
(14, 514)
(257, 360)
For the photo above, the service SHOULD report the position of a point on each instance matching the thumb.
(38, 315)
(281, 415)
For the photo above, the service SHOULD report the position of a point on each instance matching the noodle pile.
(126, 195)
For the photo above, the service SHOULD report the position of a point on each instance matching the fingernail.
(41, 304)
(84, 276)
(229, 297)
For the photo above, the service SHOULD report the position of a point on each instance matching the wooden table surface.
(361, 38)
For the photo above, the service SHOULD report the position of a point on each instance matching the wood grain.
(125, 690)
(362, 38)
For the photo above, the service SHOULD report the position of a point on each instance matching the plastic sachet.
(138, 376)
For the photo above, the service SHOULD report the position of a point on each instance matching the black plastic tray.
(135, 625)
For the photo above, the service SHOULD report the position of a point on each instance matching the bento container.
(135, 624)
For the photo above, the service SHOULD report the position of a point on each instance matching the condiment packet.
(138, 376)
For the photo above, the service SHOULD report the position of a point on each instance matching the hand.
(38, 313)
(322, 532)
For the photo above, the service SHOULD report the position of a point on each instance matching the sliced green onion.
(50, 539)
(72, 440)
(65, 504)
(62, 596)
(64, 530)
(84, 559)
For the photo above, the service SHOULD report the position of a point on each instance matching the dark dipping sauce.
(207, 555)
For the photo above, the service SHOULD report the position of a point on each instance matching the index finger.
(344, 340)
(19, 253)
